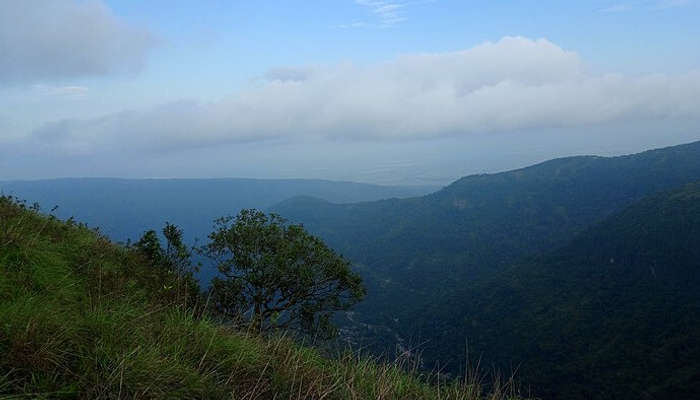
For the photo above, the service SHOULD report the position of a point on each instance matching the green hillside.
(420, 256)
(613, 314)
(81, 317)
(481, 220)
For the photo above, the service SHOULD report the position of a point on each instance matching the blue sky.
(393, 91)
(249, 37)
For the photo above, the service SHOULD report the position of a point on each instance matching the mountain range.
(579, 273)
(124, 208)
(434, 263)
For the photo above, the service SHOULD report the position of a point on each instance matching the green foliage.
(82, 318)
(277, 275)
(175, 259)
(618, 308)
(150, 246)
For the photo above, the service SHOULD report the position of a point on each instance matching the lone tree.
(277, 275)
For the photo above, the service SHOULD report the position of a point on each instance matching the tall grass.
(81, 317)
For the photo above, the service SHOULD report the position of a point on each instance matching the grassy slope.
(81, 317)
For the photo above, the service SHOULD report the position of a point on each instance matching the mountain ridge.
(418, 254)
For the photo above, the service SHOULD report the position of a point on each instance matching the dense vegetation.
(81, 317)
(276, 275)
(425, 259)
(614, 314)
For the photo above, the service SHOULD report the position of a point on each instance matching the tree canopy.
(277, 275)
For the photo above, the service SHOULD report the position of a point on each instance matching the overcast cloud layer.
(44, 40)
(513, 84)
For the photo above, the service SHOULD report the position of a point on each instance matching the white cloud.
(46, 40)
(66, 91)
(514, 84)
(388, 12)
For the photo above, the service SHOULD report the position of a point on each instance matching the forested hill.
(481, 222)
(494, 217)
(124, 208)
(419, 255)
(615, 314)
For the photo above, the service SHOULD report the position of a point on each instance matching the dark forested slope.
(418, 255)
(613, 314)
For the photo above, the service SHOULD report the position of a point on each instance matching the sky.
(380, 91)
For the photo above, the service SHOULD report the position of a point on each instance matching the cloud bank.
(514, 84)
(45, 40)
